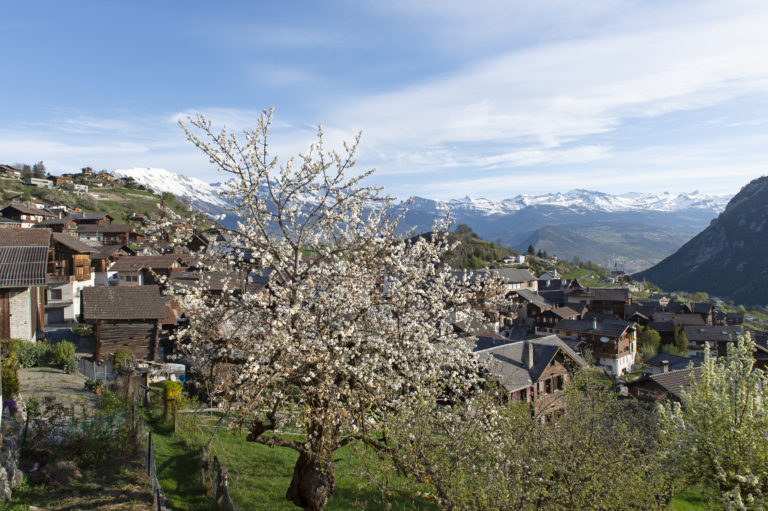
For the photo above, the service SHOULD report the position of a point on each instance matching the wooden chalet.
(665, 386)
(104, 234)
(535, 371)
(26, 215)
(69, 271)
(613, 342)
(717, 337)
(140, 270)
(23, 261)
(64, 225)
(130, 317)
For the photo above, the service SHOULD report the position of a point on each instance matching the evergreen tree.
(38, 170)
(530, 250)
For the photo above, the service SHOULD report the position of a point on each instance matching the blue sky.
(488, 99)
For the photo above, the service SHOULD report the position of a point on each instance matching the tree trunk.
(313, 482)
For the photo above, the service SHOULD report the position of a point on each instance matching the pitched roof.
(136, 263)
(674, 382)
(73, 243)
(608, 328)
(534, 298)
(678, 319)
(25, 238)
(711, 333)
(29, 211)
(508, 362)
(611, 294)
(107, 251)
(122, 302)
(23, 257)
(88, 228)
(675, 362)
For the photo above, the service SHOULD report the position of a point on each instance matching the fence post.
(149, 451)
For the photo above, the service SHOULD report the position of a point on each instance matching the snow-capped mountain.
(634, 230)
(201, 195)
(585, 201)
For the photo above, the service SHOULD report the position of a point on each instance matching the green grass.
(695, 498)
(259, 476)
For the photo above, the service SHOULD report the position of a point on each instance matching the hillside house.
(606, 300)
(38, 182)
(10, 172)
(23, 261)
(130, 317)
(102, 259)
(69, 272)
(104, 234)
(535, 371)
(717, 337)
(7, 223)
(613, 342)
(666, 386)
(26, 215)
(140, 270)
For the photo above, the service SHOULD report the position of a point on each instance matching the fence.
(159, 503)
(96, 370)
(141, 393)
(214, 476)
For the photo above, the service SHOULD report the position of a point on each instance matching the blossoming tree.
(354, 317)
(718, 434)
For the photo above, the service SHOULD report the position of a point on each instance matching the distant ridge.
(727, 259)
(632, 230)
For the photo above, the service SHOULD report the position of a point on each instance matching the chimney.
(529, 358)
(665, 366)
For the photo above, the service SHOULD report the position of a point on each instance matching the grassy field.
(259, 476)
(695, 498)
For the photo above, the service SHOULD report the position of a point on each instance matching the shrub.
(83, 330)
(93, 385)
(38, 354)
(171, 396)
(71, 366)
(123, 359)
(62, 353)
(10, 374)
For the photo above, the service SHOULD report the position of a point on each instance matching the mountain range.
(727, 259)
(631, 231)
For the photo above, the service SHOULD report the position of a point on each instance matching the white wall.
(22, 323)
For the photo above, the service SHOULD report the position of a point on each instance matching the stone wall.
(20, 305)
(10, 474)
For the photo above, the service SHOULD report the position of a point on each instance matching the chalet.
(678, 319)
(613, 343)
(61, 181)
(535, 370)
(64, 225)
(100, 234)
(610, 300)
(38, 182)
(130, 317)
(102, 259)
(140, 270)
(23, 261)
(78, 188)
(547, 320)
(717, 337)
(10, 172)
(666, 362)
(666, 386)
(26, 215)
(659, 299)
(734, 318)
(92, 218)
(69, 272)
(212, 283)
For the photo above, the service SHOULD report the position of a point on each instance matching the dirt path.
(67, 389)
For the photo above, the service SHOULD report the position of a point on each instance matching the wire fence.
(95, 370)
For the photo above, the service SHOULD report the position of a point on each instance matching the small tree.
(530, 250)
(648, 341)
(339, 336)
(717, 433)
(681, 340)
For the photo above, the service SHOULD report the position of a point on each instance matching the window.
(548, 387)
(55, 294)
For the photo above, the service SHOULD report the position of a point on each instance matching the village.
(107, 287)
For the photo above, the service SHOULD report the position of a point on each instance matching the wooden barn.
(129, 317)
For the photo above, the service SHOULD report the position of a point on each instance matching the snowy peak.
(586, 201)
(197, 192)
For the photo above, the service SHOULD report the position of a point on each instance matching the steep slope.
(728, 258)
